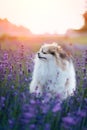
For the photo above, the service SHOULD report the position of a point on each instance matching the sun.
(52, 25)
(55, 16)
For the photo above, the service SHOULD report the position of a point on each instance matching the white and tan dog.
(54, 72)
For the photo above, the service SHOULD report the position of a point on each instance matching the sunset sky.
(44, 16)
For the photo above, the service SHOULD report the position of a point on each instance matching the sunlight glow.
(44, 16)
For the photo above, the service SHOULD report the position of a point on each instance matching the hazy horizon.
(44, 16)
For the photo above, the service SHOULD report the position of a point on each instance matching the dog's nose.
(38, 54)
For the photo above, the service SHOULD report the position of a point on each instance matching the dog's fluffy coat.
(54, 72)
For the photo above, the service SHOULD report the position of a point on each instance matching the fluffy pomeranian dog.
(54, 72)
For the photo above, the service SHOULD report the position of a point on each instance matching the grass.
(80, 40)
(35, 42)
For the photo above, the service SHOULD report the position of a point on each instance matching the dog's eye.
(52, 53)
(44, 52)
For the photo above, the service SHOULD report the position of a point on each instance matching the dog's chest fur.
(53, 79)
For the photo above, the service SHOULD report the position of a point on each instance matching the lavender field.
(20, 110)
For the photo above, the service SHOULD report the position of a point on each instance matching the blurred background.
(33, 22)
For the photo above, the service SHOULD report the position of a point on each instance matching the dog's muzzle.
(40, 57)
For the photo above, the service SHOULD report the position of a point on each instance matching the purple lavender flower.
(82, 113)
(56, 108)
(45, 108)
(28, 115)
(69, 120)
(47, 126)
(10, 122)
(19, 109)
(32, 127)
(32, 101)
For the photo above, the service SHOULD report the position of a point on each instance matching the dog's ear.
(66, 50)
(67, 47)
(69, 50)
